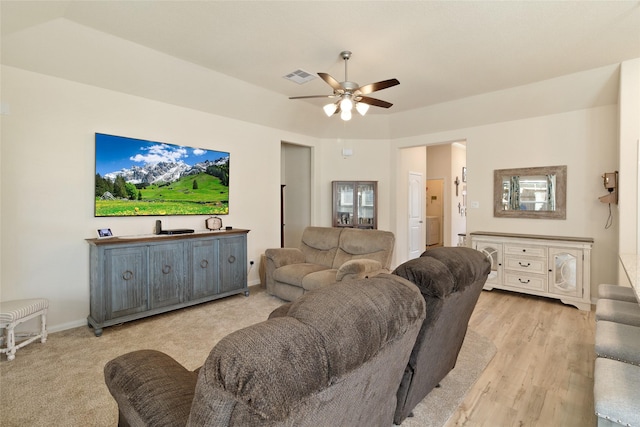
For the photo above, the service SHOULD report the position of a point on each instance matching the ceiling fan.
(350, 94)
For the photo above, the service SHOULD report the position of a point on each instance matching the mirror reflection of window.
(529, 193)
(536, 192)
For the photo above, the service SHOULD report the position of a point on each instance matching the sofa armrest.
(284, 256)
(358, 269)
(151, 388)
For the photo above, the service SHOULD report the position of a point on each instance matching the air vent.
(300, 76)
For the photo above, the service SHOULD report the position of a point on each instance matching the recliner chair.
(450, 280)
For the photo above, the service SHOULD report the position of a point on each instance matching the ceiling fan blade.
(373, 101)
(378, 86)
(312, 96)
(330, 81)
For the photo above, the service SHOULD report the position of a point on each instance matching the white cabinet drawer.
(534, 251)
(531, 265)
(527, 281)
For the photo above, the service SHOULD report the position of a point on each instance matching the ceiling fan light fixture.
(346, 104)
(362, 108)
(330, 109)
(349, 93)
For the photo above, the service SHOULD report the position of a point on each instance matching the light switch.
(475, 205)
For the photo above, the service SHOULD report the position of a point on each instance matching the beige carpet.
(60, 383)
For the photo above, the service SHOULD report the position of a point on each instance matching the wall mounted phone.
(610, 182)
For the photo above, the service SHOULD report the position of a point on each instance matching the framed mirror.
(530, 192)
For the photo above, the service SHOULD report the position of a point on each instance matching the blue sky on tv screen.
(114, 153)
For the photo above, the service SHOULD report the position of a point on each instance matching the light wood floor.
(542, 373)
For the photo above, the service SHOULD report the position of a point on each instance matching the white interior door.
(416, 214)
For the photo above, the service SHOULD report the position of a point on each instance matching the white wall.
(48, 176)
(369, 162)
(458, 218)
(629, 162)
(629, 138)
(584, 140)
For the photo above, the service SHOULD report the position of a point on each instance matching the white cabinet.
(550, 266)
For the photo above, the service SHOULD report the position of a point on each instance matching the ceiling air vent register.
(300, 76)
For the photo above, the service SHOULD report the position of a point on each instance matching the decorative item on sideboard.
(213, 223)
(159, 230)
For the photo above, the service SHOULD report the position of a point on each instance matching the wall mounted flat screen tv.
(135, 177)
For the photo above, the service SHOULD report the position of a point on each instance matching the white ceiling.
(440, 51)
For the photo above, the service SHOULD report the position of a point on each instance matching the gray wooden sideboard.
(140, 276)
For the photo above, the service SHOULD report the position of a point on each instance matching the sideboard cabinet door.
(166, 274)
(565, 271)
(126, 281)
(493, 251)
(233, 261)
(204, 268)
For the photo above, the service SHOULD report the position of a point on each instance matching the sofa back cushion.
(371, 244)
(441, 271)
(268, 369)
(320, 244)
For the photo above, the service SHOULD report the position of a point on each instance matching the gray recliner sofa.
(333, 357)
(450, 280)
(327, 255)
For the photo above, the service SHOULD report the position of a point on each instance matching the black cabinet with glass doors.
(355, 204)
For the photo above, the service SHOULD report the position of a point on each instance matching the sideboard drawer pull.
(524, 281)
(166, 269)
(127, 275)
(204, 263)
(232, 259)
(524, 265)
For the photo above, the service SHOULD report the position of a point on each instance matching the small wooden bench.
(13, 313)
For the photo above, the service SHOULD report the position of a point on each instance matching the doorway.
(295, 195)
(446, 193)
(435, 211)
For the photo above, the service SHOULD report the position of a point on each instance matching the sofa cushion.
(441, 271)
(294, 274)
(359, 317)
(467, 265)
(432, 277)
(320, 244)
(318, 279)
(370, 244)
(358, 269)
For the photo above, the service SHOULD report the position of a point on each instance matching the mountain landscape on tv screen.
(159, 186)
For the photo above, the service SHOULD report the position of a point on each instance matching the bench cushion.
(616, 292)
(618, 341)
(618, 311)
(10, 311)
(616, 391)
